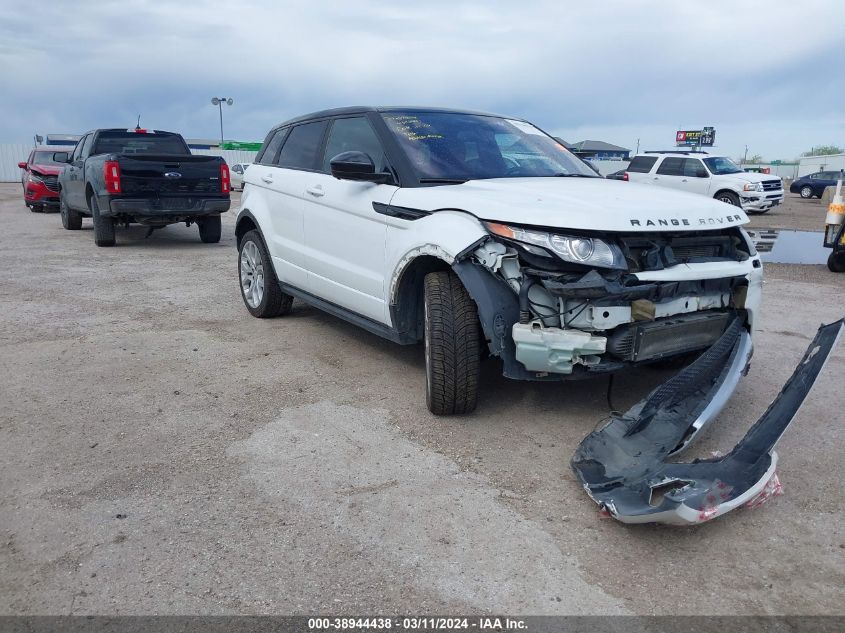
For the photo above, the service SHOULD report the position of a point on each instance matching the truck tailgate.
(168, 175)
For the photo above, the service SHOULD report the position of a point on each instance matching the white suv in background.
(715, 176)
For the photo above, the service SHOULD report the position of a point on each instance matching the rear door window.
(642, 164)
(671, 167)
(302, 147)
(692, 166)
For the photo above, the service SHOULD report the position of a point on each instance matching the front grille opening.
(658, 251)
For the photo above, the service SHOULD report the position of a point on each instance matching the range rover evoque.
(474, 233)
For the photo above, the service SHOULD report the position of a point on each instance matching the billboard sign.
(705, 137)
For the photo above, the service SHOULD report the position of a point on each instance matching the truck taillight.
(225, 183)
(625, 176)
(111, 174)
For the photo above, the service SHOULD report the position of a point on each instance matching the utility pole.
(638, 148)
(219, 101)
(745, 156)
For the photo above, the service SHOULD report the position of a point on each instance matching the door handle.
(267, 179)
(316, 191)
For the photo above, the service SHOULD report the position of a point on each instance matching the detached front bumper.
(624, 466)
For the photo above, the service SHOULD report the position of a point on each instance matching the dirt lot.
(161, 451)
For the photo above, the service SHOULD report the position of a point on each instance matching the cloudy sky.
(770, 75)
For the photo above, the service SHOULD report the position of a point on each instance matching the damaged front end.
(556, 307)
(624, 466)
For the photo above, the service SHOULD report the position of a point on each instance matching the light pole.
(219, 101)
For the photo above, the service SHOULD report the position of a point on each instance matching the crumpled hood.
(750, 176)
(47, 169)
(576, 203)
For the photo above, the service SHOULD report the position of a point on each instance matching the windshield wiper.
(447, 181)
(575, 176)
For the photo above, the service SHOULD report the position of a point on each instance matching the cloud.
(611, 70)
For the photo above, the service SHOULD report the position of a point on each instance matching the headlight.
(589, 251)
(753, 186)
(31, 177)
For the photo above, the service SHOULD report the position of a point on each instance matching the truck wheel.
(259, 286)
(729, 197)
(836, 262)
(452, 350)
(71, 219)
(103, 227)
(806, 192)
(210, 229)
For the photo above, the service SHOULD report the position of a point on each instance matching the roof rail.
(676, 151)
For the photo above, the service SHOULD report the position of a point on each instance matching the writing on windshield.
(455, 146)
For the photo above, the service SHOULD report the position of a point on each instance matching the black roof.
(362, 109)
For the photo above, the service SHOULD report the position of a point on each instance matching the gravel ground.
(161, 451)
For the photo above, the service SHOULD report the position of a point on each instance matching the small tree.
(756, 159)
(824, 150)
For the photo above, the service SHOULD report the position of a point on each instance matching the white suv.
(469, 232)
(715, 176)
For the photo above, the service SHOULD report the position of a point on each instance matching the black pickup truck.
(148, 177)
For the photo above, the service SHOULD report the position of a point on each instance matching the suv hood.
(576, 203)
(750, 176)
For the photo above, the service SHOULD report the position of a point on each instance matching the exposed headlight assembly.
(753, 186)
(33, 177)
(577, 249)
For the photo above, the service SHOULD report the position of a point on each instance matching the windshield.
(720, 165)
(44, 158)
(139, 143)
(449, 146)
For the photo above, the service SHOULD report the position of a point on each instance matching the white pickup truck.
(714, 176)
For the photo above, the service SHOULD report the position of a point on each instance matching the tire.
(729, 197)
(836, 262)
(259, 286)
(210, 229)
(452, 345)
(806, 192)
(71, 220)
(103, 226)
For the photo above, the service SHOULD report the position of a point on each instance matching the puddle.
(790, 247)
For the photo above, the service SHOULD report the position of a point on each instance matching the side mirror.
(356, 166)
(61, 157)
(22, 164)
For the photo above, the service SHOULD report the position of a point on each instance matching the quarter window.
(267, 156)
(302, 147)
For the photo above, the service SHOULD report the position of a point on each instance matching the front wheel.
(210, 229)
(71, 219)
(728, 197)
(259, 286)
(103, 226)
(452, 345)
(806, 192)
(836, 262)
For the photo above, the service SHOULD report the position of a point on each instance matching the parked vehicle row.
(118, 177)
(813, 185)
